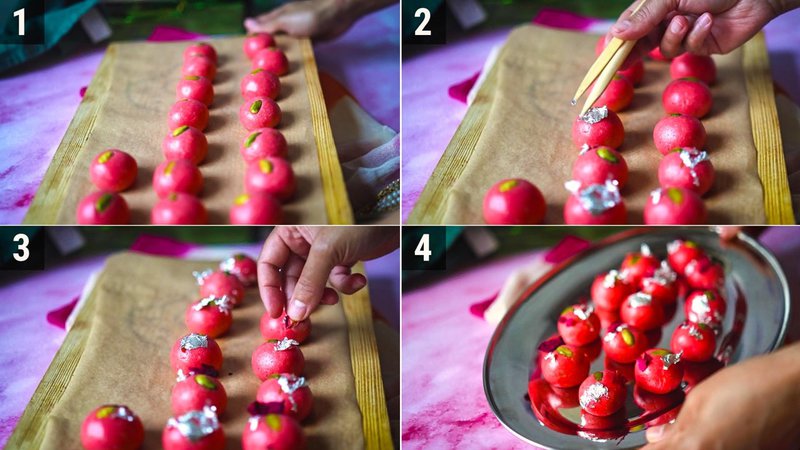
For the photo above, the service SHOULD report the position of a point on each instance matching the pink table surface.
(29, 342)
(37, 105)
(430, 116)
(444, 345)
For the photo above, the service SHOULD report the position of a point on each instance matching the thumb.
(632, 26)
(310, 286)
(269, 23)
(658, 434)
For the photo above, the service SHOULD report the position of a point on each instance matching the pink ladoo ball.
(688, 65)
(194, 351)
(258, 113)
(197, 391)
(284, 327)
(200, 49)
(678, 131)
(687, 168)
(656, 55)
(189, 112)
(597, 204)
(177, 176)
(113, 170)
(262, 143)
(687, 96)
(270, 176)
(274, 432)
(291, 390)
(112, 427)
(254, 42)
(242, 267)
(598, 127)
(598, 165)
(200, 66)
(218, 283)
(103, 208)
(260, 83)
(194, 430)
(257, 209)
(185, 142)
(513, 202)
(196, 88)
(271, 60)
(618, 94)
(178, 208)
(275, 357)
(675, 206)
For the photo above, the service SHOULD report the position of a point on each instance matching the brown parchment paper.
(528, 131)
(139, 307)
(133, 118)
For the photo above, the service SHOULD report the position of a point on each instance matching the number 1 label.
(20, 14)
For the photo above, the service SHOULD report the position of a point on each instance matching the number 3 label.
(24, 253)
(425, 13)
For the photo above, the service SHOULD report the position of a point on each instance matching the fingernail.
(655, 434)
(249, 23)
(704, 21)
(676, 26)
(360, 283)
(623, 26)
(297, 310)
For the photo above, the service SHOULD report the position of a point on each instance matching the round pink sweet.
(688, 65)
(674, 206)
(103, 208)
(195, 87)
(112, 426)
(513, 202)
(274, 432)
(257, 41)
(608, 132)
(270, 175)
(200, 48)
(256, 209)
(201, 66)
(193, 351)
(271, 358)
(113, 170)
(272, 60)
(678, 131)
(617, 95)
(197, 391)
(189, 112)
(178, 208)
(673, 171)
(598, 165)
(576, 214)
(260, 83)
(261, 112)
(262, 143)
(179, 175)
(687, 96)
(185, 142)
(297, 399)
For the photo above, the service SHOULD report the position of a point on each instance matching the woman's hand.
(296, 262)
(698, 26)
(748, 406)
(324, 19)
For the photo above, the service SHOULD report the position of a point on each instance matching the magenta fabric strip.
(161, 246)
(58, 317)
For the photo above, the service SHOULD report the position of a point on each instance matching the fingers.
(274, 255)
(346, 282)
(672, 41)
(271, 22)
(310, 287)
(634, 26)
(291, 273)
(696, 40)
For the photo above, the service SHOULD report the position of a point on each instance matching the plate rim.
(751, 242)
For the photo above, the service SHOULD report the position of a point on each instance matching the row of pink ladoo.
(178, 182)
(199, 399)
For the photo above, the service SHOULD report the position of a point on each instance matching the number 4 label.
(424, 247)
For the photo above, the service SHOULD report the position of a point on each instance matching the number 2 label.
(425, 13)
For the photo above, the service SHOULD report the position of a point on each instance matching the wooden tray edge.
(767, 132)
(337, 203)
(48, 198)
(370, 396)
(431, 203)
(370, 393)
